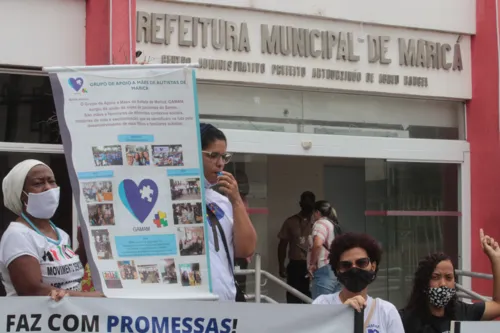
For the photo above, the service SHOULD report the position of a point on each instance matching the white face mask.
(43, 205)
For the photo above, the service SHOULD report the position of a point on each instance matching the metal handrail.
(461, 294)
(287, 287)
(471, 293)
(474, 275)
(265, 298)
(258, 272)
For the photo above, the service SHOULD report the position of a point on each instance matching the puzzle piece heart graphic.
(138, 199)
(76, 83)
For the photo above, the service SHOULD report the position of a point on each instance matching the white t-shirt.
(222, 276)
(59, 265)
(323, 229)
(385, 319)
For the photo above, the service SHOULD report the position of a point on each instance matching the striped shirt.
(325, 230)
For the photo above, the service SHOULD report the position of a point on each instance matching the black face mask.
(356, 279)
(306, 208)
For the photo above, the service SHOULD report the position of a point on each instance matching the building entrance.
(411, 208)
(408, 192)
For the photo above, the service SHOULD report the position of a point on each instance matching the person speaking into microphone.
(231, 231)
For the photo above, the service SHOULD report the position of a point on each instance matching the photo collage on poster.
(112, 203)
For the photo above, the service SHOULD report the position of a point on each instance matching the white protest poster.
(475, 326)
(132, 146)
(32, 314)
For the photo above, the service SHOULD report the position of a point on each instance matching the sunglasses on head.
(362, 263)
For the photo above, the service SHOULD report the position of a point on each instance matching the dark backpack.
(337, 231)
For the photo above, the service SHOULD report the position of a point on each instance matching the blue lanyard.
(40, 233)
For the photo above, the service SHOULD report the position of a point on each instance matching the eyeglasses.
(360, 263)
(226, 157)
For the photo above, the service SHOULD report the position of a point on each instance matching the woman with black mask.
(355, 259)
(433, 302)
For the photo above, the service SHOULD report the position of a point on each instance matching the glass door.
(412, 209)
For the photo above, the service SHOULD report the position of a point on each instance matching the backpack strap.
(370, 314)
(214, 221)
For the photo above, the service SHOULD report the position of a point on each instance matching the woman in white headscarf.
(36, 258)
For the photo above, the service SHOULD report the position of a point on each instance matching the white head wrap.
(13, 184)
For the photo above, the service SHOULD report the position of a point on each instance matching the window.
(27, 111)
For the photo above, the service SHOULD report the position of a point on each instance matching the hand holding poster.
(131, 141)
(32, 314)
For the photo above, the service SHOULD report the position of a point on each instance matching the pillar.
(483, 135)
(110, 39)
(110, 32)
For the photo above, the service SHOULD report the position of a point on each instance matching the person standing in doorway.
(324, 230)
(294, 235)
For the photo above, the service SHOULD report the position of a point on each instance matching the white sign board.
(131, 139)
(475, 327)
(38, 314)
(238, 45)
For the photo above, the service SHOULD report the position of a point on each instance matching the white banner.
(475, 327)
(131, 139)
(32, 314)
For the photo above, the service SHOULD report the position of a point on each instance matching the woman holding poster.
(36, 258)
(355, 260)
